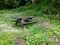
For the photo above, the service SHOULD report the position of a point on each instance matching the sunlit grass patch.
(7, 39)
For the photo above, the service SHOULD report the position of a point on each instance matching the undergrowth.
(46, 30)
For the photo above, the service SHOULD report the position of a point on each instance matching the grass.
(36, 34)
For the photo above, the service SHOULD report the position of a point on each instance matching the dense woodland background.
(44, 6)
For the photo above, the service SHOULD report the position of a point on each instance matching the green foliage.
(34, 34)
(7, 39)
(13, 3)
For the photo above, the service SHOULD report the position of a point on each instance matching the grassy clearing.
(43, 32)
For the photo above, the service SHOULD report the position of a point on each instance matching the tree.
(13, 3)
